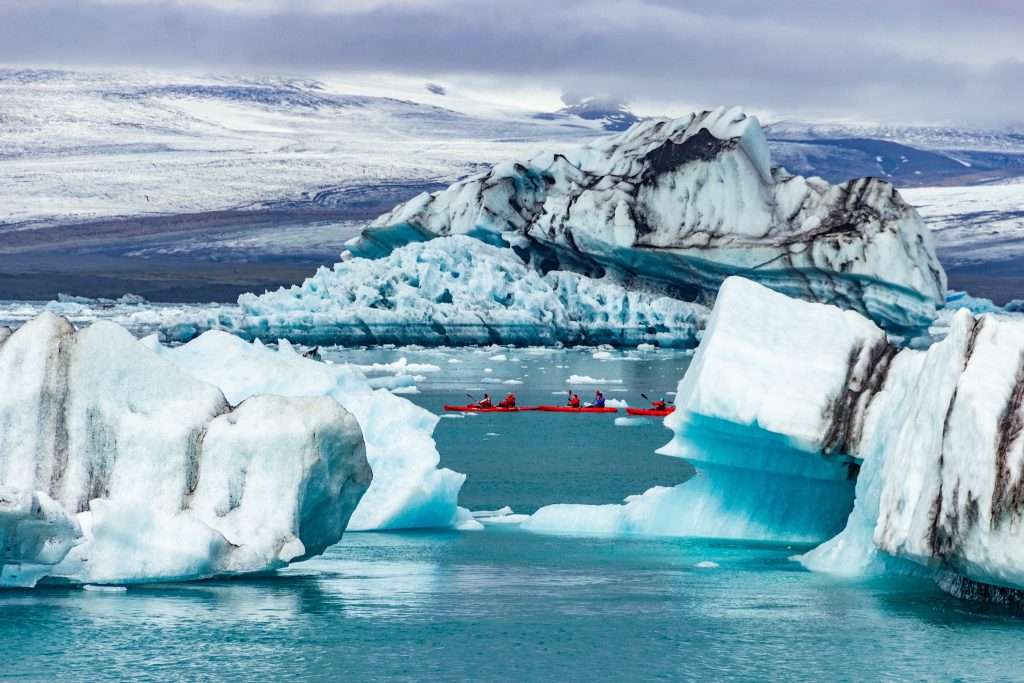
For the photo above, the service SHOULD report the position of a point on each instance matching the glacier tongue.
(116, 467)
(686, 203)
(409, 490)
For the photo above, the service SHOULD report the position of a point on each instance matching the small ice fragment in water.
(93, 588)
(706, 564)
(631, 422)
(586, 379)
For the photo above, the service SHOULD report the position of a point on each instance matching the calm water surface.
(507, 605)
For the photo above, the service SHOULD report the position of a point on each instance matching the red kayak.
(651, 412)
(478, 409)
(568, 409)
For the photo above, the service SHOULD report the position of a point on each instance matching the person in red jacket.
(574, 400)
(485, 402)
(508, 402)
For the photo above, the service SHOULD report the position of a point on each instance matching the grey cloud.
(939, 61)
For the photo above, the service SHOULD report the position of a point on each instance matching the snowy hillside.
(78, 146)
(908, 156)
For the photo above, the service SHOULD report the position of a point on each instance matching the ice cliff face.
(116, 467)
(453, 291)
(942, 483)
(685, 203)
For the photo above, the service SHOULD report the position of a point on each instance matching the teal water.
(501, 604)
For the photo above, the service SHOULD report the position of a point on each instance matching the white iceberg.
(115, 467)
(942, 475)
(760, 422)
(683, 204)
(786, 402)
(452, 292)
(409, 490)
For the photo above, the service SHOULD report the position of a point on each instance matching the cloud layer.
(938, 61)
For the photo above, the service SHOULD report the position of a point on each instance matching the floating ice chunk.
(601, 355)
(500, 357)
(616, 403)
(405, 390)
(504, 515)
(93, 588)
(402, 366)
(500, 512)
(409, 490)
(164, 478)
(705, 564)
(586, 379)
(456, 291)
(631, 422)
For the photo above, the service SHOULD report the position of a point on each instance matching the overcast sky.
(938, 61)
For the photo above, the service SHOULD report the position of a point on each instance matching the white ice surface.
(86, 145)
(452, 291)
(143, 473)
(409, 490)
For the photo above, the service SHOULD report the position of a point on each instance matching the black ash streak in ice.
(679, 205)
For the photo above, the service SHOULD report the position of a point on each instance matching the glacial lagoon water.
(503, 604)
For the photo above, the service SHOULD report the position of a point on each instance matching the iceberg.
(452, 292)
(682, 204)
(409, 490)
(769, 430)
(942, 475)
(115, 467)
(787, 402)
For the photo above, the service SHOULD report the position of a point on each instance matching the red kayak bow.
(651, 412)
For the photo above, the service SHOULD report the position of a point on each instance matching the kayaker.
(508, 402)
(659, 404)
(574, 400)
(485, 402)
(598, 399)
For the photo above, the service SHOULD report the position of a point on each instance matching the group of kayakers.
(574, 401)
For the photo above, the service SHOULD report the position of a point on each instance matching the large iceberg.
(763, 414)
(454, 291)
(814, 396)
(683, 204)
(409, 490)
(943, 473)
(116, 467)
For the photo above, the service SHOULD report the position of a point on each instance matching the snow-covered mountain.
(905, 155)
(610, 113)
(76, 146)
